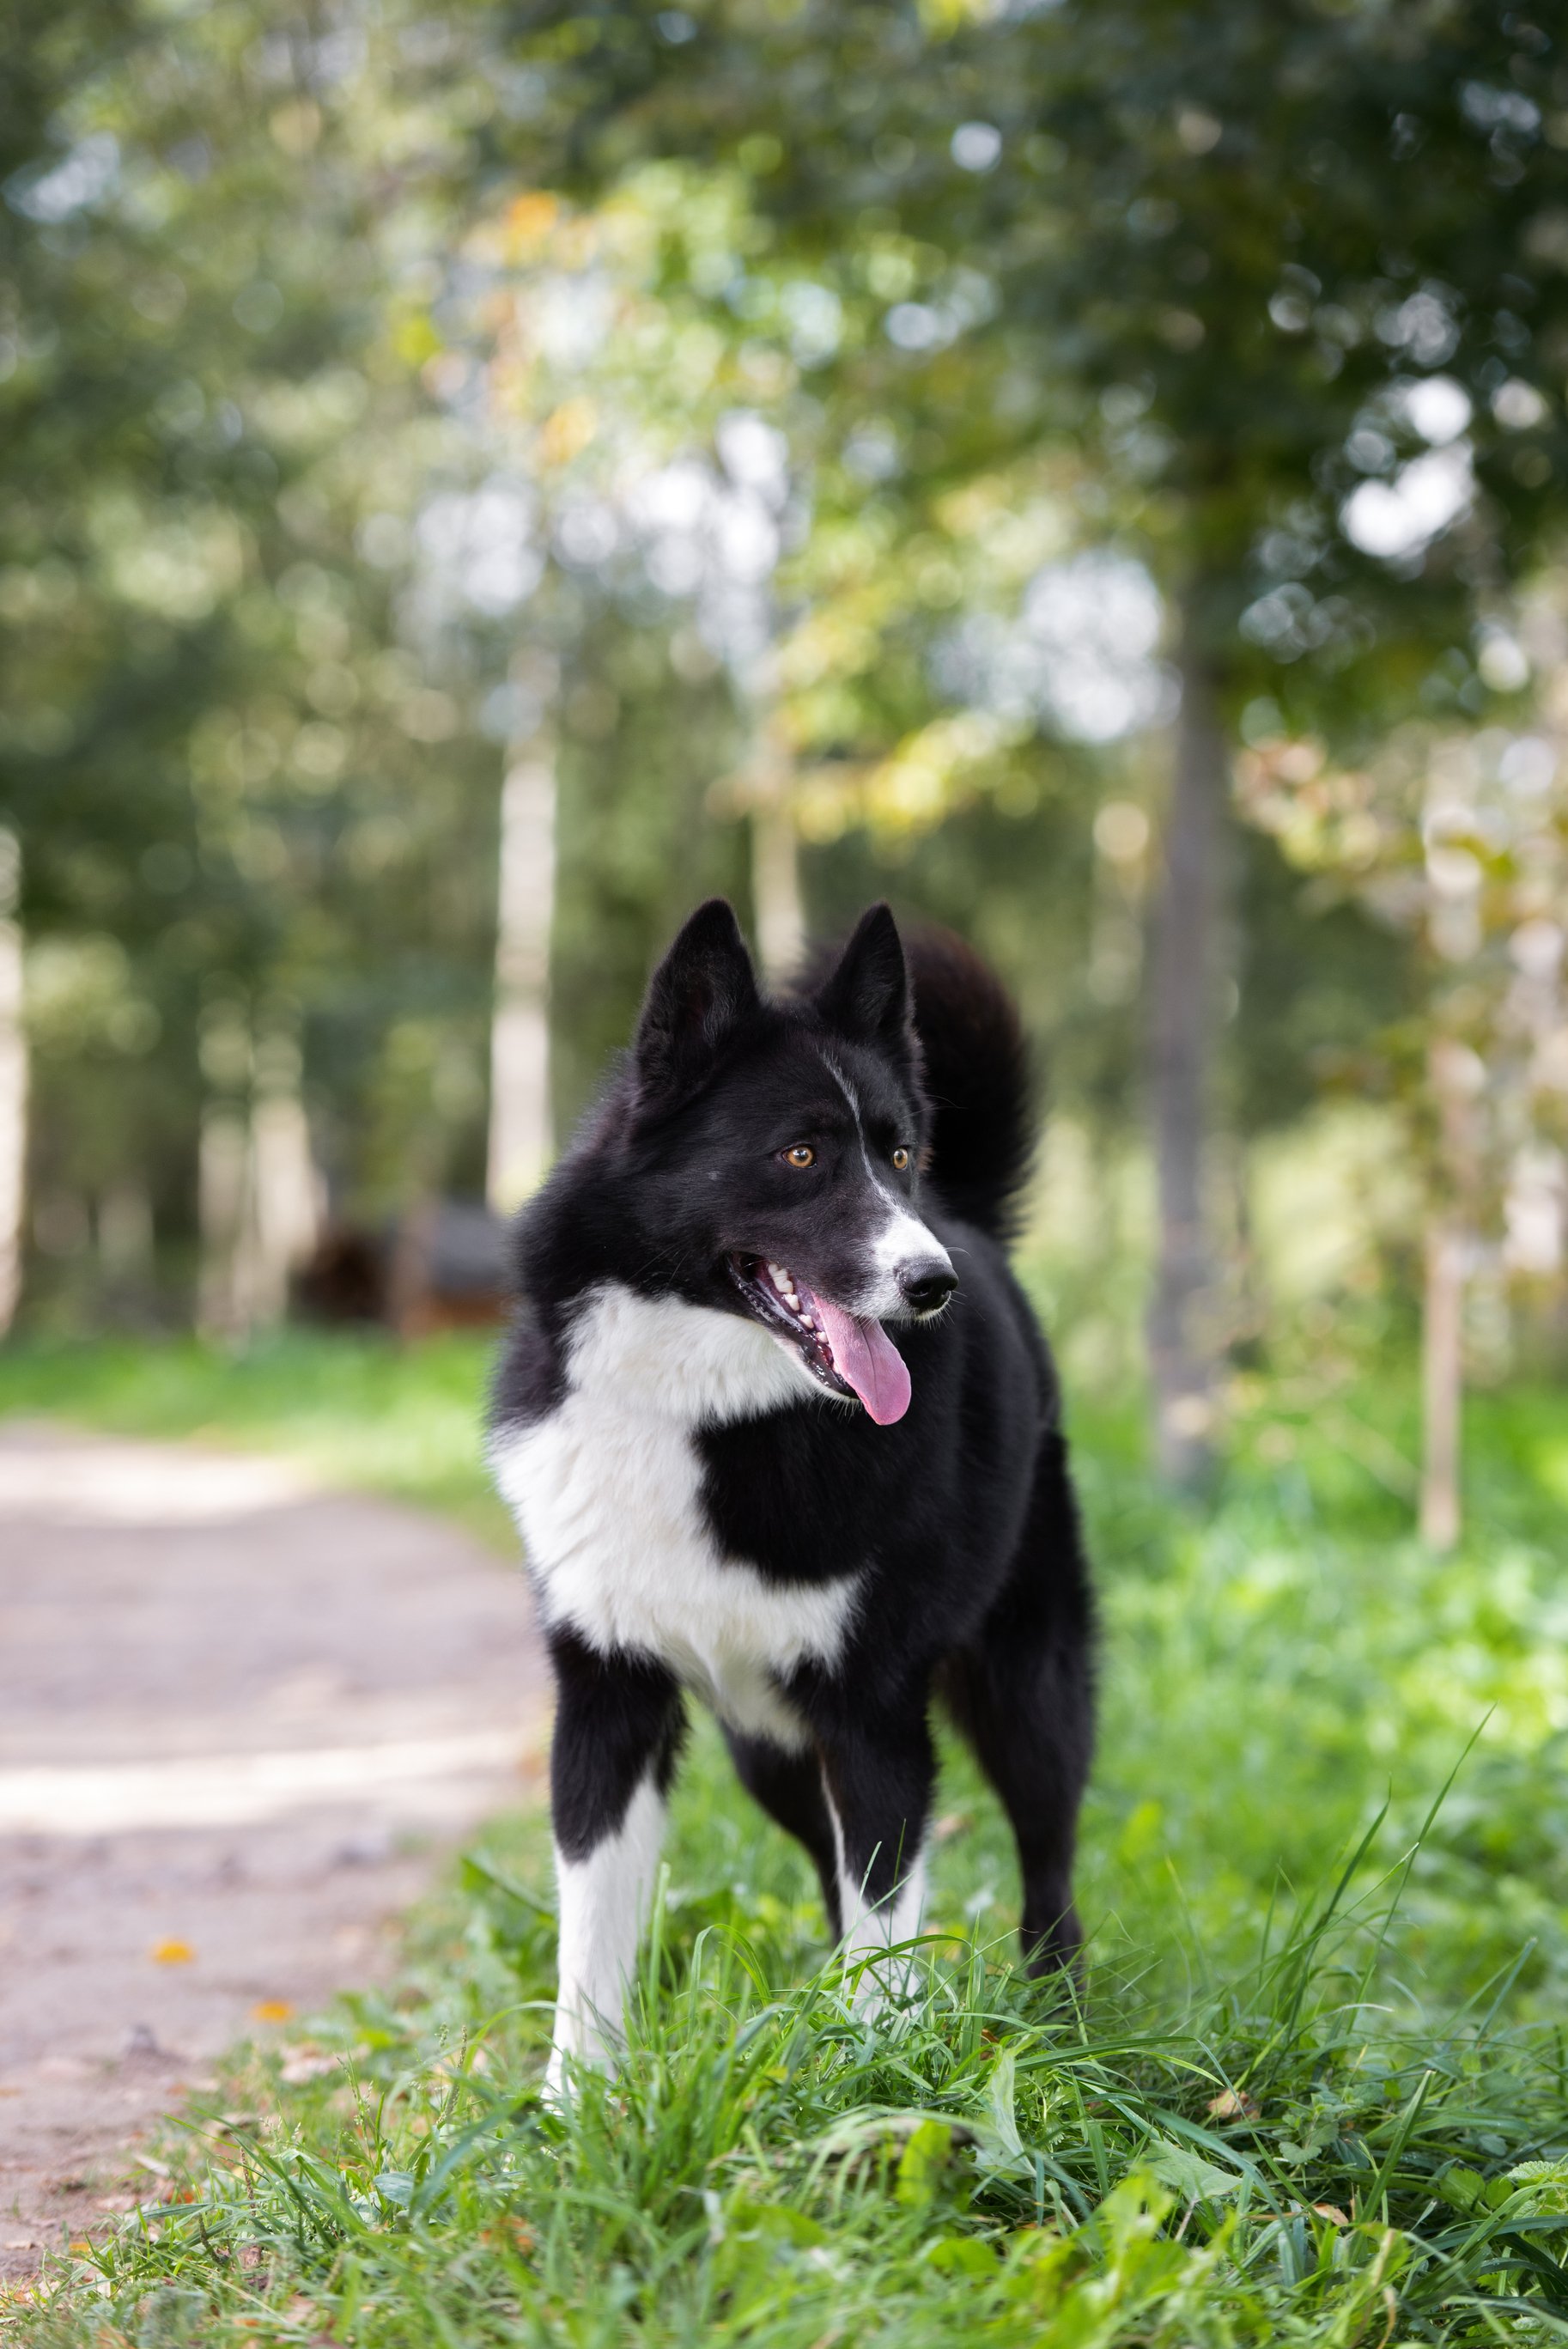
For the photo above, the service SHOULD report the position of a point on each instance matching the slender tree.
(519, 1119)
(13, 1082)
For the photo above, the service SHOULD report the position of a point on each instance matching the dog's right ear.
(701, 992)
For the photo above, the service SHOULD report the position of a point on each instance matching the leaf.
(1542, 2186)
(1187, 2174)
(921, 2163)
(961, 2255)
(1002, 2102)
(1465, 2189)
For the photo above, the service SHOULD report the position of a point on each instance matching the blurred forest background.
(474, 482)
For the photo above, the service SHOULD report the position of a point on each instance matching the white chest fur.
(605, 1494)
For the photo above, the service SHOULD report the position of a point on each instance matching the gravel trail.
(239, 1720)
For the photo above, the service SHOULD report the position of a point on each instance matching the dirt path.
(238, 1718)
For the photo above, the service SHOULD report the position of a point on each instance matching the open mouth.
(845, 1353)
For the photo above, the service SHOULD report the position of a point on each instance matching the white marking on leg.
(890, 1921)
(602, 1902)
(868, 1928)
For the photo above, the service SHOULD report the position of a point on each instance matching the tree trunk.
(220, 1208)
(286, 1207)
(519, 1119)
(1442, 1383)
(776, 888)
(1184, 1007)
(259, 1195)
(762, 788)
(12, 1081)
(125, 1233)
(1456, 1078)
(222, 1165)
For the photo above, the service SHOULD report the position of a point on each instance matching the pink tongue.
(867, 1357)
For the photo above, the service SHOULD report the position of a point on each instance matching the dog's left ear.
(701, 992)
(868, 995)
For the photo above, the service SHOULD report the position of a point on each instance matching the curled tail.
(977, 1079)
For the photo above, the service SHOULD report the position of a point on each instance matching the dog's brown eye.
(801, 1155)
(901, 1158)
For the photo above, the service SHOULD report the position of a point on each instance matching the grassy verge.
(1317, 2090)
(359, 1409)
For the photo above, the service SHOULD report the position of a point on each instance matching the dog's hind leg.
(1023, 1694)
(789, 1788)
(619, 1722)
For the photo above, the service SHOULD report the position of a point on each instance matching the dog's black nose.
(927, 1286)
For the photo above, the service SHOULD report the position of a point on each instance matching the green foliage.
(1271, 298)
(1208, 246)
(232, 761)
(1012, 287)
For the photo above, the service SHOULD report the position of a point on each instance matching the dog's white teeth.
(778, 1276)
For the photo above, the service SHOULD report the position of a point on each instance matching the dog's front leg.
(878, 1774)
(618, 1724)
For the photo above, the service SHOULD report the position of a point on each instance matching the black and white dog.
(730, 1480)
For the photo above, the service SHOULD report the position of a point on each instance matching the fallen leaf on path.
(1232, 2104)
(172, 1953)
(271, 2010)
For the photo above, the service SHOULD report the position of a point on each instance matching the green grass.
(1317, 2090)
(360, 1411)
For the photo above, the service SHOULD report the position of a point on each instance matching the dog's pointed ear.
(868, 995)
(701, 992)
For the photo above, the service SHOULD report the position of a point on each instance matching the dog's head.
(778, 1148)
